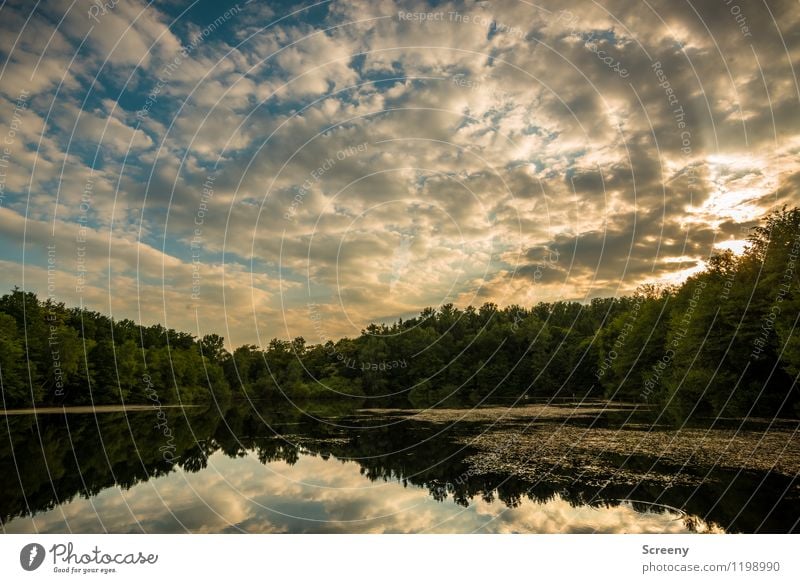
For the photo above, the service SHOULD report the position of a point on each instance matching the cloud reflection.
(316, 495)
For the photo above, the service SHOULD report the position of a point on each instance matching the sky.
(277, 169)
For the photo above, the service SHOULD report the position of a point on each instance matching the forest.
(721, 343)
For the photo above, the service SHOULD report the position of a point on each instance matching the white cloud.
(497, 141)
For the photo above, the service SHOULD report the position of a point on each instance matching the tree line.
(721, 343)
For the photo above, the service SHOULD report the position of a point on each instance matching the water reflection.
(269, 471)
(318, 495)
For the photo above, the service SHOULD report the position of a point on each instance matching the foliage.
(722, 343)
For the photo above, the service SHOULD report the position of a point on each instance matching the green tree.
(12, 370)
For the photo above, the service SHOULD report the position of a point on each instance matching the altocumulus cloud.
(373, 164)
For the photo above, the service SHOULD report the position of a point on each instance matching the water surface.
(261, 468)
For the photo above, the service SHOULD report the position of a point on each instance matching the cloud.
(242, 495)
(376, 164)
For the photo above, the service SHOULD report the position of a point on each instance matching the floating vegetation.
(632, 456)
(531, 413)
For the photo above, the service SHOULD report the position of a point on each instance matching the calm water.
(338, 470)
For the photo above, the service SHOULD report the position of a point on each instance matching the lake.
(538, 468)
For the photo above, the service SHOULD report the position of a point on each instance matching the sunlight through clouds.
(378, 164)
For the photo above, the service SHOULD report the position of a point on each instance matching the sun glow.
(736, 245)
(738, 183)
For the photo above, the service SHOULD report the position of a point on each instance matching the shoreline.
(88, 409)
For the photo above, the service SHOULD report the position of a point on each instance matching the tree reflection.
(51, 459)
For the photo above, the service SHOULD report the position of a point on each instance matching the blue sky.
(219, 166)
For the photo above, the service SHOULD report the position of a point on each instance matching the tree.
(213, 347)
(12, 370)
(724, 342)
